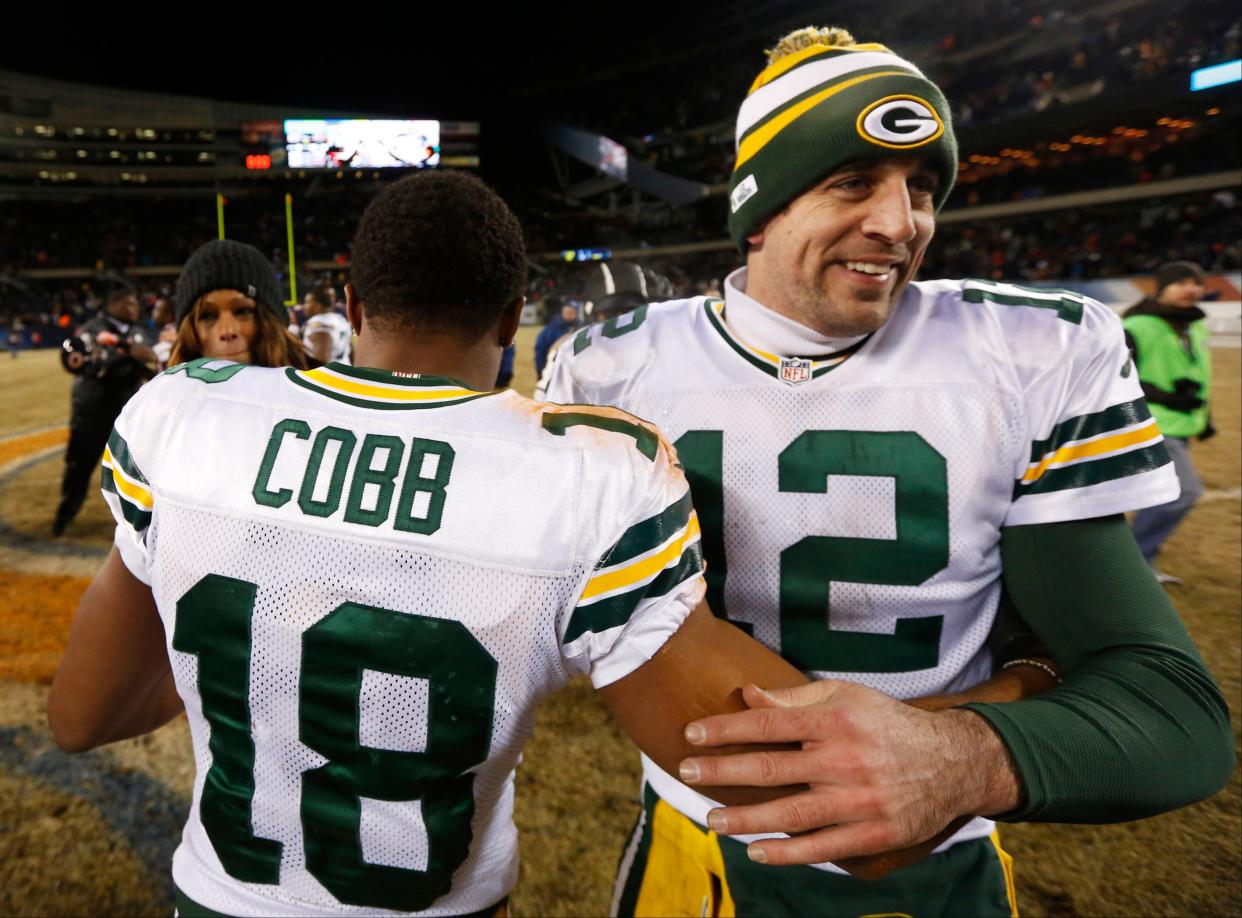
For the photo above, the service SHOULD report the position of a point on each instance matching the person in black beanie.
(229, 307)
(1168, 339)
(111, 356)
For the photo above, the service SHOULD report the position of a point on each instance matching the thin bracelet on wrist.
(1037, 664)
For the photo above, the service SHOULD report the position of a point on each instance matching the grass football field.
(93, 834)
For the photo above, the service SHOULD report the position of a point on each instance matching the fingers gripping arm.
(767, 761)
(700, 671)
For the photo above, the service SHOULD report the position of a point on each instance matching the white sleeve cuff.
(649, 628)
(132, 553)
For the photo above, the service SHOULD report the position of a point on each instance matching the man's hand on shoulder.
(883, 775)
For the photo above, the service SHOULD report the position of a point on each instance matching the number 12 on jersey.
(810, 565)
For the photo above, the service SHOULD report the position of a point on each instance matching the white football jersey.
(334, 324)
(851, 504)
(369, 581)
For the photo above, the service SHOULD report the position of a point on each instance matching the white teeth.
(865, 268)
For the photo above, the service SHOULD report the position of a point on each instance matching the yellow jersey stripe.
(785, 64)
(1144, 434)
(643, 568)
(368, 390)
(757, 140)
(131, 489)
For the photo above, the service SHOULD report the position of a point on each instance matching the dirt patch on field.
(576, 802)
(61, 858)
(35, 624)
(28, 499)
(36, 391)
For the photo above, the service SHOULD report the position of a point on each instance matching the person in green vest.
(1169, 341)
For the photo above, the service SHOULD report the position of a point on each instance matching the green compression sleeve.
(1138, 727)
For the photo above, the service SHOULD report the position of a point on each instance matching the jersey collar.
(791, 370)
(367, 387)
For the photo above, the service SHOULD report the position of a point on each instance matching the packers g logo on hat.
(899, 122)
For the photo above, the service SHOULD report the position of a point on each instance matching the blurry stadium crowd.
(1113, 240)
(995, 59)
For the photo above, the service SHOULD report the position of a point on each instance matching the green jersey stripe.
(138, 518)
(650, 533)
(1084, 426)
(616, 610)
(558, 421)
(120, 454)
(838, 357)
(292, 376)
(1096, 471)
(750, 358)
(1067, 306)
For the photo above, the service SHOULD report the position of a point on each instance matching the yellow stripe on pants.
(671, 885)
(1007, 865)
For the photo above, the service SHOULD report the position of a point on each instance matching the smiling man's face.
(838, 257)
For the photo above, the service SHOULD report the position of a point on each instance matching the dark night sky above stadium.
(509, 70)
(422, 61)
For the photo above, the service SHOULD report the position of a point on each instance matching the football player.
(362, 580)
(871, 459)
(326, 334)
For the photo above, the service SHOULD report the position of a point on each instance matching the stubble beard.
(861, 312)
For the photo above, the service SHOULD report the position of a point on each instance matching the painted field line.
(16, 449)
(20, 548)
(30, 432)
(1221, 494)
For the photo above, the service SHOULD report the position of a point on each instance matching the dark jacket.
(556, 329)
(108, 364)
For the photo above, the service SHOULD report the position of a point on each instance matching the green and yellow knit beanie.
(822, 102)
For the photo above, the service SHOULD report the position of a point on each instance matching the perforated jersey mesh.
(302, 576)
(975, 429)
(760, 520)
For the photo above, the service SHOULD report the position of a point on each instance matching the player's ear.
(353, 309)
(510, 319)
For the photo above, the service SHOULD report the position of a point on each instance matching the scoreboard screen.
(361, 144)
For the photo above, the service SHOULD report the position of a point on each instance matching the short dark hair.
(438, 250)
(320, 296)
(120, 293)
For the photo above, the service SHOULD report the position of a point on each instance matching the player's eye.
(852, 183)
(924, 184)
(245, 312)
(208, 316)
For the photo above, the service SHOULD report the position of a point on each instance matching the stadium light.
(1218, 75)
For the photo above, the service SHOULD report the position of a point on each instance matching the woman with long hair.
(229, 307)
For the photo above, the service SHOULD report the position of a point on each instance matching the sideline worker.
(1169, 342)
(112, 357)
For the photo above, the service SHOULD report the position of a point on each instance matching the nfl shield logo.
(795, 370)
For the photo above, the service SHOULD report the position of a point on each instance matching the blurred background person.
(164, 320)
(562, 319)
(1169, 342)
(326, 334)
(111, 357)
(505, 375)
(229, 307)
